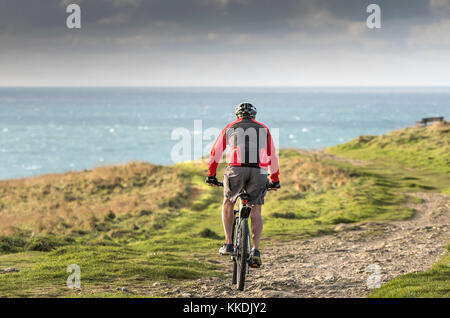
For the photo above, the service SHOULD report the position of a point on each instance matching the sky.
(224, 43)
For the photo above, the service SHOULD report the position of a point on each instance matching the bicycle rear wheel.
(242, 254)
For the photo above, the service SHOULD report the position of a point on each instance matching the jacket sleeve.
(273, 159)
(217, 150)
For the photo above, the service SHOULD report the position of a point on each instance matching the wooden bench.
(425, 121)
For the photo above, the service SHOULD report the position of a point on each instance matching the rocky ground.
(345, 264)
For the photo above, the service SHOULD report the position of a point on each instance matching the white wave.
(32, 167)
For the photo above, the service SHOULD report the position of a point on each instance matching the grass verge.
(433, 283)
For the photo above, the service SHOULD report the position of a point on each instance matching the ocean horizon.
(59, 129)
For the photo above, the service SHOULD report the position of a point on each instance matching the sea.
(60, 129)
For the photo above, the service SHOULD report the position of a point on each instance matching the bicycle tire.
(234, 278)
(242, 254)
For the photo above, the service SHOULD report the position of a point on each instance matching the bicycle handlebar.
(220, 184)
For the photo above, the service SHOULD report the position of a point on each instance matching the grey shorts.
(253, 180)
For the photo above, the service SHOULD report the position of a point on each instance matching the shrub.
(10, 244)
(47, 243)
(208, 233)
(285, 215)
(110, 216)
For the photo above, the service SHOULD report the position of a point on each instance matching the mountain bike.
(242, 243)
(241, 238)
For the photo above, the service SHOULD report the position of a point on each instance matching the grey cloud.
(138, 33)
(435, 35)
(440, 7)
(224, 16)
(125, 3)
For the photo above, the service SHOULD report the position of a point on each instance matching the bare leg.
(227, 219)
(257, 225)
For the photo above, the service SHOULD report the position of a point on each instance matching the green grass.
(320, 194)
(434, 283)
(103, 268)
(332, 193)
(136, 224)
(418, 149)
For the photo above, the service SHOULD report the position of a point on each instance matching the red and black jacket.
(251, 145)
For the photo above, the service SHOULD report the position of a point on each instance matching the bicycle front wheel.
(234, 278)
(242, 254)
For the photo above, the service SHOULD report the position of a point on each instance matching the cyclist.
(252, 157)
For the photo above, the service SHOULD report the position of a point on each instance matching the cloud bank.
(224, 43)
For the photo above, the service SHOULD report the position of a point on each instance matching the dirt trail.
(326, 155)
(336, 265)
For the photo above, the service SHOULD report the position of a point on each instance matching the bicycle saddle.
(244, 195)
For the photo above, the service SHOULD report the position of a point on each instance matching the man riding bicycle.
(252, 157)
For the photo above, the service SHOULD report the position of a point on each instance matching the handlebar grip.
(268, 187)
